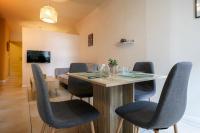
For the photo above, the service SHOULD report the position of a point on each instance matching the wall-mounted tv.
(38, 56)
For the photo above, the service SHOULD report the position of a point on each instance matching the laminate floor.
(14, 107)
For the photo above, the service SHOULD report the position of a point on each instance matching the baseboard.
(192, 121)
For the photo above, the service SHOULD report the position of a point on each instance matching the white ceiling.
(20, 13)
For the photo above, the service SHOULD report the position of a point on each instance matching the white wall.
(64, 49)
(113, 20)
(185, 40)
(158, 38)
(165, 32)
(173, 36)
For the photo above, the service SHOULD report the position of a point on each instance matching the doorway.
(15, 59)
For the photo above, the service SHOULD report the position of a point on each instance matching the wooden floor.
(14, 107)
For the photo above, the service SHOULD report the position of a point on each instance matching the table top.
(116, 80)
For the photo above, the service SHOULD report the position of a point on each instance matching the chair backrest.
(77, 86)
(43, 104)
(78, 67)
(173, 99)
(146, 67)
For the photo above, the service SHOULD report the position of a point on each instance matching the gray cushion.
(140, 113)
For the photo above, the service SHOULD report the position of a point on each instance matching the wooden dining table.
(110, 93)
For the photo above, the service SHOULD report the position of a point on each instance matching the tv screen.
(38, 56)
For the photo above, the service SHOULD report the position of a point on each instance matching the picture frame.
(90, 40)
(197, 8)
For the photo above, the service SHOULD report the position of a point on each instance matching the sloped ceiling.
(20, 13)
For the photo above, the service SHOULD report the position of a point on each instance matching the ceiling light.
(48, 14)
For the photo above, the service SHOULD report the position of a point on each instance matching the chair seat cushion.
(141, 94)
(139, 113)
(72, 113)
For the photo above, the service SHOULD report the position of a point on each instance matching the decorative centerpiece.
(113, 64)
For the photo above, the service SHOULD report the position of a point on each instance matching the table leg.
(106, 100)
(128, 97)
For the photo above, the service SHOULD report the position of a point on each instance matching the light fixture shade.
(48, 14)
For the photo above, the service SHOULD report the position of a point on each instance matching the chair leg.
(89, 100)
(156, 131)
(53, 130)
(136, 129)
(71, 97)
(120, 125)
(175, 128)
(43, 128)
(92, 127)
(49, 129)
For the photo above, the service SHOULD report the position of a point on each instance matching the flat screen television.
(38, 56)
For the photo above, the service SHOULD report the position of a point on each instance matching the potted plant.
(112, 64)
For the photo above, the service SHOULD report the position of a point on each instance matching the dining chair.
(77, 87)
(168, 111)
(65, 114)
(144, 90)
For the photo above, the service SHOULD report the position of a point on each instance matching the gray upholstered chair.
(144, 90)
(63, 114)
(77, 87)
(168, 111)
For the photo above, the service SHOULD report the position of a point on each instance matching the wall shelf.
(125, 42)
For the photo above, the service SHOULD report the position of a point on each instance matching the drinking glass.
(106, 71)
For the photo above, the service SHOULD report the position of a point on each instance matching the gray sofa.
(62, 75)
